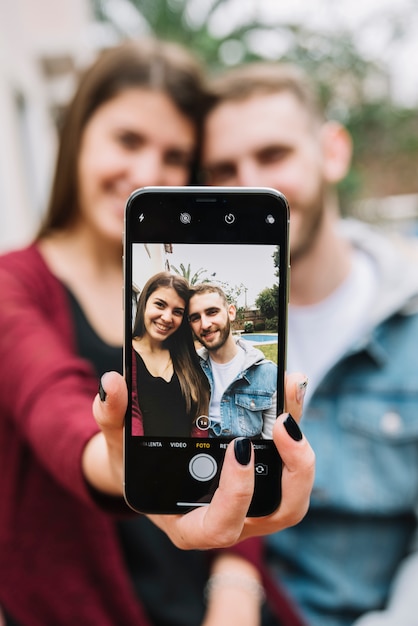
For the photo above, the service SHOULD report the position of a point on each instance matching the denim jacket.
(249, 399)
(341, 561)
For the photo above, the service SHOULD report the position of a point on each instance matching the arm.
(45, 388)
(234, 593)
(223, 522)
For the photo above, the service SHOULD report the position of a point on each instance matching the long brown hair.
(152, 64)
(193, 382)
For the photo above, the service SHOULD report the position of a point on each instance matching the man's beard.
(311, 222)
(223, 336)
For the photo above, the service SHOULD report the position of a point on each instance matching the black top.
(169, 582)
(162, 404)
(90, 346)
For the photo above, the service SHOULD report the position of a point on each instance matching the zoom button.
(203, 467)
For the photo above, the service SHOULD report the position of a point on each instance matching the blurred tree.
(354, 89)
(268, 301)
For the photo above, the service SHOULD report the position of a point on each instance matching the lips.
(209, 335)
(161, 328)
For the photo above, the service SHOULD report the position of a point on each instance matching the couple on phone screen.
(227, 388)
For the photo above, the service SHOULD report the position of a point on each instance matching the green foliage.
(385, 141)
(272, 323)
(385, 136)
(232, 292)
(276, 261)
(249, 327)
(268, 301)
(240, 314)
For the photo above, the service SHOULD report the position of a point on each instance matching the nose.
(205, 322)
(249, 174)
(147, 169)
(166, 315)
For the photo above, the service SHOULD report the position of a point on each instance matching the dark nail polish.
(292, 428)
(102, 393)
(242, 449)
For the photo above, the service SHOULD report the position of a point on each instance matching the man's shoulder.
(203, 353)
(395, 259)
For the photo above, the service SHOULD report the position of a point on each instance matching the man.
(243, 382)
(353, 328)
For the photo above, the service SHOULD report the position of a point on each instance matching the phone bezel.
(145, 499)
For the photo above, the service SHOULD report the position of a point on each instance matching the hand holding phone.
(223, 522)
(203, 266)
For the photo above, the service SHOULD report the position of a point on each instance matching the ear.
(232, 312)
(337, 151)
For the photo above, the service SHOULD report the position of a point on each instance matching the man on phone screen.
(243, 382)
(353, 328)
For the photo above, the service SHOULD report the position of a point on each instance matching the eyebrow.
(176, 308)
(207, 311)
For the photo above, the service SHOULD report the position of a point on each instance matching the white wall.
(42, 42)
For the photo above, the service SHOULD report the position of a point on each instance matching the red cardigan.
(60, 561)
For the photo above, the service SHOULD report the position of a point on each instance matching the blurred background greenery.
(355, 87)
(361, 53)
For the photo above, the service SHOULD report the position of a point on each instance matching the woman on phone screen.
(170, 389)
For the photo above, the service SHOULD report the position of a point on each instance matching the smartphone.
(205, 299)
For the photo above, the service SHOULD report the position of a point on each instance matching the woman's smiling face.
(164, 312)
(137, 139)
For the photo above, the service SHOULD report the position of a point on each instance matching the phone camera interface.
(217, 328)
(205, 334)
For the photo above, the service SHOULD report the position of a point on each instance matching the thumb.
(110, 404)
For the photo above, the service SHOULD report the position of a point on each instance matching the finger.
(298, 469)
(295, 388)
(102, 460)
(219, 524)
(297, 480)
(110, 404)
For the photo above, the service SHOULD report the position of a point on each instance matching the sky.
(251, 265)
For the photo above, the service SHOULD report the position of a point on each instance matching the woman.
(133, 121)
(169, 388)
(65, 559)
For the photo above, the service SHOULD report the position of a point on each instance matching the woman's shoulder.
(25, 271)
(27, 260)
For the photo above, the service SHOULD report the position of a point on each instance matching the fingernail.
(301, 390)
(292, 428)
(242, 449)
(102, 393)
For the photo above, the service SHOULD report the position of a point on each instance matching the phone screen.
(205, 335)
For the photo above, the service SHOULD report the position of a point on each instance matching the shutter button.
(203, 467)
